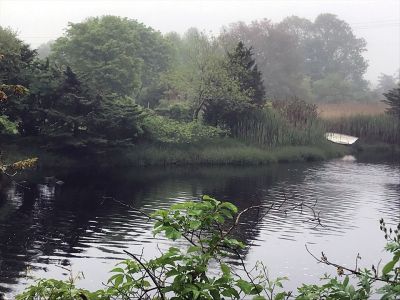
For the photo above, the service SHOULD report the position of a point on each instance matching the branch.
(325, 261)
(153, 278)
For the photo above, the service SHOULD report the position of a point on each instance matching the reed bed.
(348, 109)
(269, 129)
(370, 129)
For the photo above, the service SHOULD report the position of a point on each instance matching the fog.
(378, 22)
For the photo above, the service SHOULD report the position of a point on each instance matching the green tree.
(15, 61)
(392, 99)
(63, 108)
(333, 48)
(276, 55)
(296, 52)
(387, 82)
(16, 57)
(114, 55)
(43, 51)
(200, 77)
(242, 67)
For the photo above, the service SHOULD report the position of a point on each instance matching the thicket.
(203, 268)
(164, 130)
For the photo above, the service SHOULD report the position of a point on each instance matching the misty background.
(378, 22)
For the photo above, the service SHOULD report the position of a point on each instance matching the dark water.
(49, 225)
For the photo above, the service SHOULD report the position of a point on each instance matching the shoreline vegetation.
(222, 152)
(185, 99)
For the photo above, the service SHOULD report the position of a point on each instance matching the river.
(46, 226)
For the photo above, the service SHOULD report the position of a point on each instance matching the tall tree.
(275, 53)
(242, 67)
(62, 108)
(392, 99)
(333, 48)
(16, 58)
(387, 82)
(201, 78)
(115, 55)
(297, 52)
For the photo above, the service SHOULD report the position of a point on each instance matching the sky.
(378, 21)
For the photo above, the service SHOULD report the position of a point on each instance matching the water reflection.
(46, 224)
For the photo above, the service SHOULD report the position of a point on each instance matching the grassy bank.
(218, 152)
(223, 152)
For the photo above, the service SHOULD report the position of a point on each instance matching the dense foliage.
(202, 270)
(111, 81)
(114, 55)
(392, 99)
(297, 56)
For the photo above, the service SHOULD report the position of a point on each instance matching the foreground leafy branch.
(201, 269)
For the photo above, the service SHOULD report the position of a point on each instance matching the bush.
(180, 111)
(162, 129)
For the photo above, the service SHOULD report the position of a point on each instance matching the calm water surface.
(49, 225)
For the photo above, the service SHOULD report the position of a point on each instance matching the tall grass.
(223, 152)
(270, 129)
(369, 129)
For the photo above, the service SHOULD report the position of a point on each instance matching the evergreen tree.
(393, 101)
(243, 68)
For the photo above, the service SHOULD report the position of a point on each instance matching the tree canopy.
(114, 55)
(297, 52)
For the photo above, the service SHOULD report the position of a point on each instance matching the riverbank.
(376, 151)
(223, 153)
(217, 152)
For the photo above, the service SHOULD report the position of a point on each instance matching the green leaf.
(390, 265)
(172, 233)
(245, 286)
(346, 281)
(215, 294)
(280, 296)
(171, 273)
(118, 280)
(195, 224)
(225, 269)
(193, 249)
(229, 206)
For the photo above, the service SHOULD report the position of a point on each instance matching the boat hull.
(339, 138)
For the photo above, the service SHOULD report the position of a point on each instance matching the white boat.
(340, 138)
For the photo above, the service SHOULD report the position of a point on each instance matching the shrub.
(162, 129)
(180, 111)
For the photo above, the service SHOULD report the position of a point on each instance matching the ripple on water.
(67, 227)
